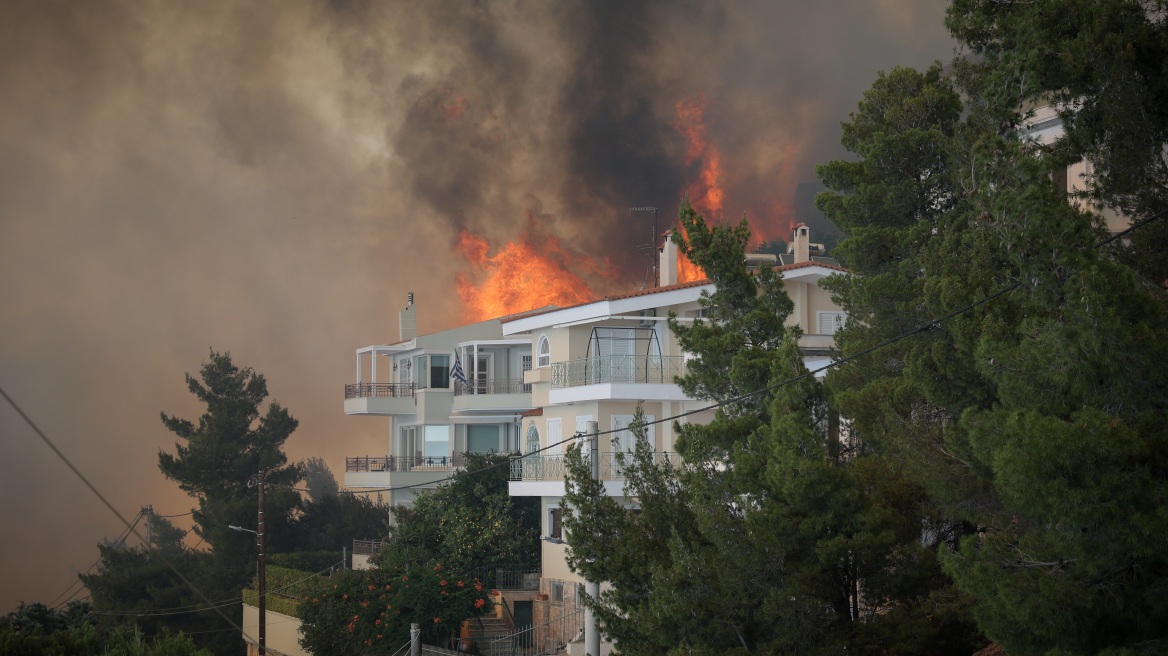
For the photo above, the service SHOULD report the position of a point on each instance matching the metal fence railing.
(367, 547)
(492, 386)
(545, 467)
(508, 577)
(379, 390)
(403, 463)
(546, 638)
(618, 369)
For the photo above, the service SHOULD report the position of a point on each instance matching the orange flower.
(479, 603)
(377, 622)
(461, 584)
(344, 596)
(442, 582)
(437, 620)
(405, 578)
(371, 586)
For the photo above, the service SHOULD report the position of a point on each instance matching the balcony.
(390, 471)
(403, 463)
(630, 377)
(544, 467)
(380, 399)
(499, 394)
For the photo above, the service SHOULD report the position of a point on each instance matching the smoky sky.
(271, 179)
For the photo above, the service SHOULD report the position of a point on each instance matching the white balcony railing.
(618, 369)
(544, 467)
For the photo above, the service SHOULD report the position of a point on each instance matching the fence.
(508, 577)
(403, 463)
(379, 390)
(492, 386)
(546, 638)
(543, 467)
(618, 369)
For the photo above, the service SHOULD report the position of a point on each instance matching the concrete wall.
(282, 634)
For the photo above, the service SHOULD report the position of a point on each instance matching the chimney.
(668, 262)
(407, 320)
(802, 243)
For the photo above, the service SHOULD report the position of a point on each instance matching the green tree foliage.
(471, 522)
(1033, 420)
(138, 589)
(370, 612)
(37, 630)
(331, 522)
(775, 535)
(1102, 62)
(319, 479)
(220, 453)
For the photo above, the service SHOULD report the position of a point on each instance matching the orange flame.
(522, 275)
(691, 124)
(710, 196)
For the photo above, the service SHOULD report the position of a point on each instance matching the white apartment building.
(433, 419)
(598, 361)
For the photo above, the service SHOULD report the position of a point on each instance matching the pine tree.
(1032, 420)
(773, 536)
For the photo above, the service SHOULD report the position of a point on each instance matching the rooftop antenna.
(652, 243)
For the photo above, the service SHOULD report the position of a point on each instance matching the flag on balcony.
(456, 371)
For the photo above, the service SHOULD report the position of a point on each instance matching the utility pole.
(415, 639)
(592, 588)
(262, 573)
(148, 513)
(652, 244)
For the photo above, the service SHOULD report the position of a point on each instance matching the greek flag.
(456, 371)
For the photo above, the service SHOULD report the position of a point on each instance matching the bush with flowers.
(370, 612)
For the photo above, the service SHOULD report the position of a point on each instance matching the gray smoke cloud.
(271, 178)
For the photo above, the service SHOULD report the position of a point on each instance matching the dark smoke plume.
(271, 178)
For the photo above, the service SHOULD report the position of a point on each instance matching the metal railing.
(403, 463)
(544, 467)
(617, 369)
(492, 386)
(367, 547)
(546, 638)
(379, 390)
(508, 577)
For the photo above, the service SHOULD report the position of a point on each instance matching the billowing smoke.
(271, 178)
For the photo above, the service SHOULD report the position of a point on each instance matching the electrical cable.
(92, 488)
(54, 605)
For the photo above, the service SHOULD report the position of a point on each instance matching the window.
(410, 447)
(527, 367)
(829, 322)
(440, 371)
(437, 442)
(482, 439)
(555, 434)
(556, 590)
(432, 371)
(554, 527)
(532, 439)
(544, 351)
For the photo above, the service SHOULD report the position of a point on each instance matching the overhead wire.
(54, 605)
(92, 488)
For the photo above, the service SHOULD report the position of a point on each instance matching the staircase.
(485, 631)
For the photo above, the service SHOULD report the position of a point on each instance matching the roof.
(534, 412)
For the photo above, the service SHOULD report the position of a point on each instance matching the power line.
(194, 608)
(53, 604)
(92, 488)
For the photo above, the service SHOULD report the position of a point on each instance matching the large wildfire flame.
(523, 275)
(710, 195)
